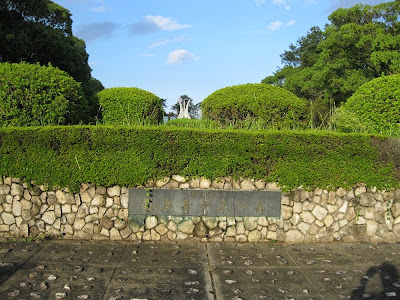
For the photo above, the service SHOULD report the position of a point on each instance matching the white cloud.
(180, 56)
(283, 3)
(259, 2)
(154, 23)
(275, 25)
(166, 23)
(167, 41)
(291, 23)
(279, 24)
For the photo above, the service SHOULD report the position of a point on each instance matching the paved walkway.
(191, 270)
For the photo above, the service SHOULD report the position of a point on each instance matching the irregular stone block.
(86, 197)
(5, 189)
(205, 183)
(360, 190)
(210, 222)
(247, 185)
(171, 235)
(106, 223)
(241, 238)
(319, 212)
(287, 212)
(114, 191)
(307, 217)
(328, 221)
(172, 184)
(151, 222)
(294, 236)
(200, 230)
(17, 189)
(79, 223)
(155, 236)
(161, 229)
(186, 227)
(17, 208)
(341, 192)
(303, 227)
(49, 217)
(98, 200)
(367, 199)
(61, 197)
(115, 235)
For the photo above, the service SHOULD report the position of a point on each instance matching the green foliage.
(193, 123)
(40, 31)
(130, 106)
(272, 106)
(360, 43)
(130, 156)
(347, 121)
(377, 102)
(32, 95)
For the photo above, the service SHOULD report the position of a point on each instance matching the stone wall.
(100, 213)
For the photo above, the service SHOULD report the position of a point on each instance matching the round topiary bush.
(130, 106)
(34, 95)
(377, 102)
(272, 106)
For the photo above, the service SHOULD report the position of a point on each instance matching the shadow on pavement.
(389, 281)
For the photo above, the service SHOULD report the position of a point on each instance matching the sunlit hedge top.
(271, 105)
(33, 95)
(377, 102)
(130, 106)
(130, 156)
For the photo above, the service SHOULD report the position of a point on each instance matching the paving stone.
(78, 253)
(243, 255)
(260, 283)
(64, 269)
(163, 255)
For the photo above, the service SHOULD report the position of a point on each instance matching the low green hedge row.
(130, 156)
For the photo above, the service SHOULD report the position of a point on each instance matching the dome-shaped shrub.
(34, 95)
(271, 105)
(130, 106)
(377, 102)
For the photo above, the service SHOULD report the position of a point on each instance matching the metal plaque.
(211, 203)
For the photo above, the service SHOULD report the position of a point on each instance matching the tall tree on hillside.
(40, 31)
(360, 43)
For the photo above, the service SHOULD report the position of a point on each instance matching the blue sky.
(177, 47)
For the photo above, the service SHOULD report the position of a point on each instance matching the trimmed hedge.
(130, 106)
(34, 95)
(377, 102)
(130, 156)
(272, 106)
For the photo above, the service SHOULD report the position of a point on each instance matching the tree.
(194, 109)
(40, 31)
(33, 95)
(130, 106)
(360, 43)
(267, 105)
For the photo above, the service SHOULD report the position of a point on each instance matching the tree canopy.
(40, 31)
(359, 44)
